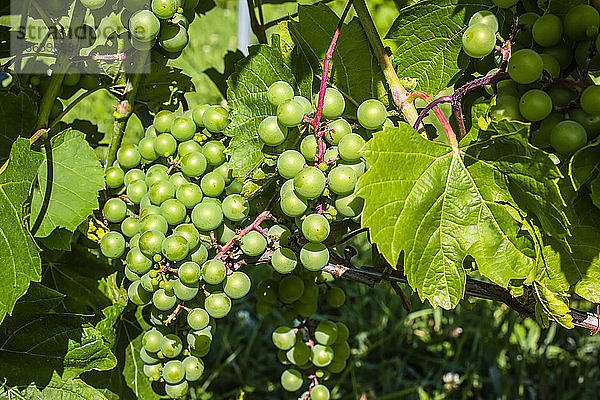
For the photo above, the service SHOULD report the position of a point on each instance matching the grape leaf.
(19, 254)
(76, 179)
(429, 39)
(555, 304)
(59, 239)
(57, 388)
(18, 117)
(595, 188)
(247, 97)
(133, 369)
(447, 205)
(558, 7)
(585, 164)
(352, 60)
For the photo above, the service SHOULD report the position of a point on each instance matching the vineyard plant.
(449, 155)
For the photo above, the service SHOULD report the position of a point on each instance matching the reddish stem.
(440, 116)
(326, 65)
(261, 217)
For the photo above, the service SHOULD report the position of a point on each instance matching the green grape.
(225, 172)
(334, 104)
(189, 273)
(175, 248)
(112, 245)
(371, 114)
(163, 121)
(198, 318)
(171, 345)
(563, 54)
(163, 300)
(335, 297)
(163, 9)
(173, 372)
(326, 333)
(151, 340)
(547, 30)
(215, 118)
(146, 149)
(134, 175)
(590, 100)
(541, 137)
(272, 132)
(128, 156)
(309, 183)
(266, 291)
(298, 354)
(154, 222)
(152, 370)
(281, 232)
(148, 357)
(506, 107)
(486, 18)
(253, 244)
(319, 392)
(160, 192)
(115, 210)
(315, 228)
(225, 232)
(336, 130)
(130, 226)
(136, 191)
(567, 137)
(150, 243)
(235, 207)
(591, 123)
(290, 288)
(349, 206)
(290, 113)
(114, 177)
(336, 366)
(214, 272)
(218, 305)
(305, 309)
(308, 148)
(525, 66)
(150, 131)
(214, 152)
(561, 96)
(187, 147)
(147, 208)
(284, 260)
(290, 163)
(284, 337)
(535, 105)
(343, 332)
(155, 175)
(197, 114)
(173, 38)
(237, 285)
(341, 349)
(200, 255)
(193, 164)
(183, 128)
(321, 355)
(207, 216)
(199, 341)
(133, 242)
(311, 291)
(184, 291)
(279, 92)
(478, 41)
(305, 103)
(194, 367)
(341, 180)
(212, 184)
(551, 65)
(93, 4)
(314, 256)
(138, 295)
(505, 3)
(190, 233)
(178, 179)
(144, 25)
(578, 19)
(165, 145)
(350, 146)
(291, 380)
(177, 391)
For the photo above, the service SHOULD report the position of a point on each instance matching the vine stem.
(253, 226)
(25, 55)
(399, 93)
(125, 109)
(440, 116)
(326, 66)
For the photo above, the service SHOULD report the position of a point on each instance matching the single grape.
(590, 100)
(130, 226)
(505, 3)
(290, 288)
(148, 357)
(506, 107)
(154, 222)
(194, 368)
(336, 130)
(561, 96)
(214, 152)
(112, 245)
(183, 128)
(284, 337)
(214, 272)
(341, 349)
(152, 371)
(151, 340)
(314, 256)
(547, 30)
(349, 147)
(290, 113)
(114, 177)
(115, 210)
(174, 211)
(185, 291)
(237, 285)
(478, 41)
(198, 113)
(298, 354)
(218, 305)
(138, 295)
(187, 147)
(486, 18)
(371, 114)
(199, 341)
(315, 228)
(335, 297)
(535, 105)
(279, 92)
(578, 19)
(284, 260)
(173, 372)
(525, 66)
(336, 366)
(291, 380)
(212, 184)
(309, 183)
(349, 206)
(160, 192)
(175, 247)
(146, 149)
(207, 216)
(292, 205)
(144, 25)
(165, 145)
(305, 103)
(541, 137)
(164, 9)
(128, 156)
(215, 118)
(163, 121)
(150, 243)
(193, 164)
(148, 283)
(319, 392)
(322, 355)
(235, 207)
(326, 332)
(334, 103)
(171, 345)
(253, 244)
(290, 163)
(198, 318)
(272, 132)
(341, 180)
(177, 391)
(173, 38)
(567, 137)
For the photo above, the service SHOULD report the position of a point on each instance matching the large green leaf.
(352, 62)
(585, 164)
(441, 205)
(247, 97)
(18, 117)
(75, 177)
(57, 388)
(19, 255)
(429, 39)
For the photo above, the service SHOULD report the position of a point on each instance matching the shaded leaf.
(558, 7)
(59, 239)
(58, 388)
(585, 164)
(18, 118)
(220, 79)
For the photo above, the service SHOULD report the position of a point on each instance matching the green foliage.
(18, 118)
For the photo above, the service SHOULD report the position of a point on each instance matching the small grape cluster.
(549, 59)
(175, 215)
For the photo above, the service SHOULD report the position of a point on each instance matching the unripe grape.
(291, 380)
(290, 163)
(112, 245)
(290, 113)
(215, 118)
(218, 305)
(371, 114)
(237, 285)
(279, 91)
(128, 156)
(235, 207)
(194, 368)
(253, 244)
(315, 228)
(284, 260)
(349, 147)
(284, 337)
(309, 183)
(213, 151)
(485, 17)
(337, 130)
(115, 210)
(214, 272)
(114, 177)
(335, 297)
(334, 103)
(171, 345)
(183, 128)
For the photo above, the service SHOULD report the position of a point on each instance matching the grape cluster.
(548, 64)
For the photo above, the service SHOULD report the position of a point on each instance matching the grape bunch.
(547, 61)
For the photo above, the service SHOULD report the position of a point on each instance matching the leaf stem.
(326, 66)
(253, 226)
(440, 116)
(74, 103)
